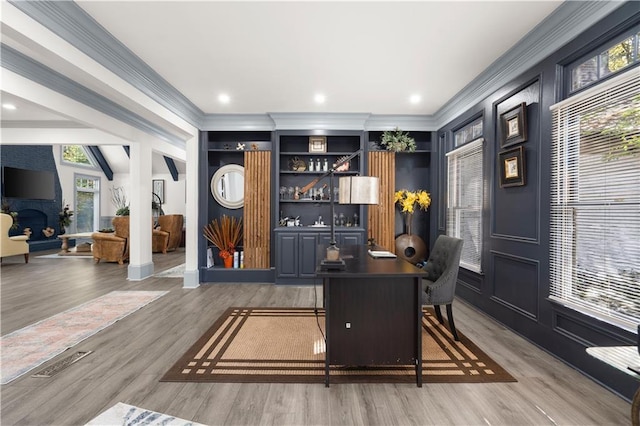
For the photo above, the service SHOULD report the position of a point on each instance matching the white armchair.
(10, 246)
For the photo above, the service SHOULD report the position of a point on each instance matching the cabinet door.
(287, 255)
(307, 259)
(350, 238)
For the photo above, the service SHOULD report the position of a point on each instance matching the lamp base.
(332, 265)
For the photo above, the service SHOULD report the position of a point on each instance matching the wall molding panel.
(515, 283)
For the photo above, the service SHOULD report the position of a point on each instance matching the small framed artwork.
(513, 125)
(317, 144)
(511, 166)
(158, 189)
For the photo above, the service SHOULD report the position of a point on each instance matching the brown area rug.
(285, 345)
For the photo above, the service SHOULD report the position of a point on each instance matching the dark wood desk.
(373, 312)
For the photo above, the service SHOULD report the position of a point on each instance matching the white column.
(140, 226)
(191, 273)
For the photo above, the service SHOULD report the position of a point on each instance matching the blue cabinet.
(297, 256)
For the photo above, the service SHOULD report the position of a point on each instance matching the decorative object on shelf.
(350, 192)
(342, 164)
(397, 141)
(317, 144)
(64, 217)
(119, 200)
(225, 234)
(254, 146)
(240, 147)
(409, 246)
(227, 186)
(6, 208)
(297, 165)
(511, 166)
(513, 125)
(158, 189)
(48, 232)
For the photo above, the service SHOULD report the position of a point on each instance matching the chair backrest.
(121, 229)
(172, 223)
(443, 263)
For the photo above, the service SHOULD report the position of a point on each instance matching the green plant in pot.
(119, 200)
(397, 141)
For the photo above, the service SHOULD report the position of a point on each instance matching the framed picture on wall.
(511, 166)
(513, 126)
(158, 189)
(317, 144)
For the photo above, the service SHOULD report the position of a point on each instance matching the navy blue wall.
(34, 157)
(514, 286)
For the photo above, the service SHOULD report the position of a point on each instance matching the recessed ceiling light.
(224, 98)
(9, 106)
(320, 98)
(414, 99)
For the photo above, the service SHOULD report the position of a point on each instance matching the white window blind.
(595, 201)
(464, 203)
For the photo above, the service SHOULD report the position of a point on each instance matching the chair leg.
(438, 313)
(451, 324)
(26, 258)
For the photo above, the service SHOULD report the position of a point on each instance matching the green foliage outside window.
(75, 154)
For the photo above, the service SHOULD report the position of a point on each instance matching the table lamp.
(351, 190)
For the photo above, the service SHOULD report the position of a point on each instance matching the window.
(87, 209)
(613, 59)
(77, 155)
(464, 203)
(595, 201)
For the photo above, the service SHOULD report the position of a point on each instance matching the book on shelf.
(381, 254)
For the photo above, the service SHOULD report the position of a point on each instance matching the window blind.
(595, 201)
(464, 202)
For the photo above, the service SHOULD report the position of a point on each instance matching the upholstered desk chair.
(442, 273)
(167, 236)
(112, 247)
(10, 246)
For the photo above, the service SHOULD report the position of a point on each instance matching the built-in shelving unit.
(296, 167)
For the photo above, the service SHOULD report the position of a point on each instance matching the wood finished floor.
(129, 358)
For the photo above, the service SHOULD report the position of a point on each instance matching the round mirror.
(227, 186)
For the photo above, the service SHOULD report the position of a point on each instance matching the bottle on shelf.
(311, 164)
(325, 165)
(318, 165)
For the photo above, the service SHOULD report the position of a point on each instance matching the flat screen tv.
(28, 184)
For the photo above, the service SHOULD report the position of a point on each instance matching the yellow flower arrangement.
(408, 201)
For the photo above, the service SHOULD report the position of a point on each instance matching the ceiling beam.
(172, 168)
(102, 162)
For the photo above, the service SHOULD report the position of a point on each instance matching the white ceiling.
(274, 57)
(364, 56)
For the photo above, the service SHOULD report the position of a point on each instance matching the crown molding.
(24, 66)
(73, 24)
(319, 121)
(416, 123)
(237, 122)
(569, 20)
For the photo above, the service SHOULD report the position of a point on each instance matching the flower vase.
(409, 246)
(228, 261)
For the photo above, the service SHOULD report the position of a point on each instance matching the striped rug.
(286, 345)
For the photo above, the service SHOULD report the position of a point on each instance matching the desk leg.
(418, 298)
(635, 409)
(325, 292)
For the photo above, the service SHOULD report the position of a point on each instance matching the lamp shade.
(359, 190)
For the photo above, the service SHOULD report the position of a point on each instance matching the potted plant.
(64, 217)
(397, 141)
(225, 234)
(119, 200)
